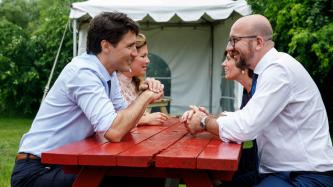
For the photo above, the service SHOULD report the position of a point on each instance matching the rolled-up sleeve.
(88, 91)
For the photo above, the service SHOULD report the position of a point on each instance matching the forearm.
(143, 120)
(126, 119)
(212, 125)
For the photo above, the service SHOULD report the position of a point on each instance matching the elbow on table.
(113, 135)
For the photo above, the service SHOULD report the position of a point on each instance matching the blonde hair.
(140, 41)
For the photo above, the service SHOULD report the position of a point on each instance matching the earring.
(243, 72)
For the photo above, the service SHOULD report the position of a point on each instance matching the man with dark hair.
(85, 99)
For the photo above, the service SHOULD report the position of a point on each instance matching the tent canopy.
(163, 10)
(189, 35)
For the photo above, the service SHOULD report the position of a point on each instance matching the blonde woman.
(130, 81)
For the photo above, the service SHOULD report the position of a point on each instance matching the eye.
(131, 46)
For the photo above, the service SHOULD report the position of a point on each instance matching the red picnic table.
(150, 151)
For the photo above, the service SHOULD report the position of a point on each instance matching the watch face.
(202, 123)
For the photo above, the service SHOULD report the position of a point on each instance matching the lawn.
(11, 131)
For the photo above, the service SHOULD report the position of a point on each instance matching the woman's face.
(231, 71)
(140, 63)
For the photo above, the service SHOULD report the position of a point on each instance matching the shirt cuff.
(106, 124)
(224, 136)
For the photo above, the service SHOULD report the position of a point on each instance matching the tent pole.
(46, 89)
(74, 37)
(211, 69)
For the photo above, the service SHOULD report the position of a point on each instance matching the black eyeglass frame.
(234, 39)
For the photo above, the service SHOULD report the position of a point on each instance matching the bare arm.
(156, 118)
(127, 118)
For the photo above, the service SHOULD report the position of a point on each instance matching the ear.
(260, 42)
(105, 46)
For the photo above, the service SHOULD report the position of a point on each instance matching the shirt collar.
(101, 69)
(265, 61)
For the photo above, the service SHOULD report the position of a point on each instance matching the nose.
(224, 63)
(147, 60)
(134, 52)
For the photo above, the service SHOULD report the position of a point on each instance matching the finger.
(190, 114)
(184, 116)
(164, 115)
(149, 83)
(157, 84)
(162, 87)
(195, 108)
(203, 109)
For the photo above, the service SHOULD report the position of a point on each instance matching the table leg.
(89, 177)
(197, 180)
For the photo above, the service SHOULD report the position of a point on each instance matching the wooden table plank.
(68, 154)
(219, 156)
(105, 155)
(145, 151)
(184, 153)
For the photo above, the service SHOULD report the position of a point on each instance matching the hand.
(156, 118)
(193, 126)
(151, 84)
(204, 110)
(157, 96)
(188, 114)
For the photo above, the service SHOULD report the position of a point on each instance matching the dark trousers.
(296, 179)
(285, 179)
(31, 172)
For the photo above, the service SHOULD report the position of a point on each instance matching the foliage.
(30, 34)
(304, 29)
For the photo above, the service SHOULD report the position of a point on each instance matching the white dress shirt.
(79, 103)
(287, 117)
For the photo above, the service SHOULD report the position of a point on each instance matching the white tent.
(189, 35)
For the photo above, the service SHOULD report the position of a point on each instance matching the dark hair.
(110, 26)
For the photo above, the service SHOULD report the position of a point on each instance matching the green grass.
(11, 131)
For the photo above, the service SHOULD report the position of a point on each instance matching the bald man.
(286, 114)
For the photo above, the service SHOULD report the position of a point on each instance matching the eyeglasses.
(234, 39)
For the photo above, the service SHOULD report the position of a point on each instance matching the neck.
(127, 74)
(107, 65)
(246, 82)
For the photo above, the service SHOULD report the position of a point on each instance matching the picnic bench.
(150, 151)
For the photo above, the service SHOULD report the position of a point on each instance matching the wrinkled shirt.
(79, 104)
(287, 117)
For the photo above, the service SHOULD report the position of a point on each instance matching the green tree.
(304, 29)
(30, 34)
(15, 66)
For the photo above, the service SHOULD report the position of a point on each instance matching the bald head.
(254, 25)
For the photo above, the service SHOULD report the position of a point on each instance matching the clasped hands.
(192, 119)
(153, 85)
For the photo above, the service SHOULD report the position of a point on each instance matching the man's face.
(122, 56)
(243, 43)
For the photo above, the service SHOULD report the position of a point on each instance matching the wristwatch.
(203, 122)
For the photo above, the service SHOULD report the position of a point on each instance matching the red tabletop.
(150, 151)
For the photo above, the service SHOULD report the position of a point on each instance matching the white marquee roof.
(163, 10)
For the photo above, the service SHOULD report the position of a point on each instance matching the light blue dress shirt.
(79, 104)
